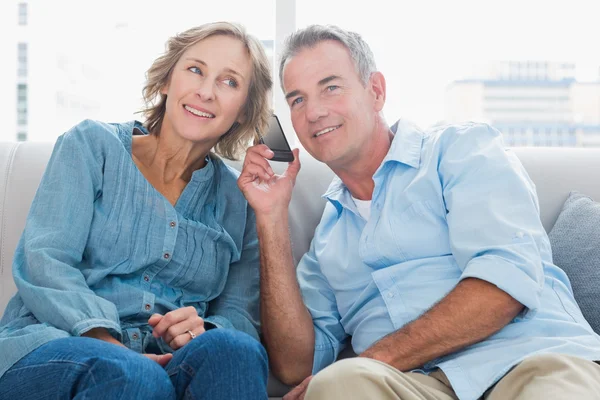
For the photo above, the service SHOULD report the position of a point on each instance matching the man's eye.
(297, 100)
(332, 88)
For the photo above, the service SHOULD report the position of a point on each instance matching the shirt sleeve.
(54, 239)
(318, 296)
(493, 215)
(238, 305)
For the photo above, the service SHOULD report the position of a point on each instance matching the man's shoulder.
(463, 138)
(450, 132)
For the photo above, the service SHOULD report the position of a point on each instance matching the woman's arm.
(55, 236)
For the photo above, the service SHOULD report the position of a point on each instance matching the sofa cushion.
(575, 241)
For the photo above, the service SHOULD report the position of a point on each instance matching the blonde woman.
(137, 271)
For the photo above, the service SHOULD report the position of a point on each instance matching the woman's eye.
(195, 70)
(231, 82)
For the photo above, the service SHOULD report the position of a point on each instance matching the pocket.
(415, 286)
(421, 231)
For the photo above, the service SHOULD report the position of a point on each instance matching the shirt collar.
(406, 145)
(405, 148)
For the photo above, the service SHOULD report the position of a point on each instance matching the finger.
(304, 386)
(253, 171)
(294, 167)
(172, 318)
(154, 319)
(262, 150)
(254, 158)
(180, 328)
(162, 359)
(299, 391)
(183, 339)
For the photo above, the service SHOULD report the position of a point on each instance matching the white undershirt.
(363, 207)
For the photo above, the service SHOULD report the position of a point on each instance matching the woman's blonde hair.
(256, 109)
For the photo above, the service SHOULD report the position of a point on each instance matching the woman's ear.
(165, 89)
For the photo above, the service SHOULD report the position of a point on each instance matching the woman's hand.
(177, 327)
(102, 334)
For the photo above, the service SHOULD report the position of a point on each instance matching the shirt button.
(520, 235)
(146, 278)
(172, 224)
(166, 256)
(390, 295)
(135, 336)
(147, 307)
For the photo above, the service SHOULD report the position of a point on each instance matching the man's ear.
(377, 87)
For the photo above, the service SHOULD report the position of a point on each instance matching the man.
(430, 253)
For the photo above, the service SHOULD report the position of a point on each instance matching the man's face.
(332, 112)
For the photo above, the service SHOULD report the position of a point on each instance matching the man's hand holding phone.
(268, 194)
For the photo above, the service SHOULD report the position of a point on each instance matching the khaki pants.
(543, 377)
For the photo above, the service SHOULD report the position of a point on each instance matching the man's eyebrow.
(325, 81)
(322, 82)
(293, 93)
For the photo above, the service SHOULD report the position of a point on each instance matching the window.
(22, 105)
(22, 59)
(437, 71)
(22, 13)
(22, 136)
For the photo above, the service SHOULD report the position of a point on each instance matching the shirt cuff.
(217, 321)
(325, 353)
(509, 278)
(84, 326)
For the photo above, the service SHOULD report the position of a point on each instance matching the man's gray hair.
(314, 34)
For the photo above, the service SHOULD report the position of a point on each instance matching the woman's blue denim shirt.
(103, 248)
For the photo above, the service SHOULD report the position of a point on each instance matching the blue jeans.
(219, 364)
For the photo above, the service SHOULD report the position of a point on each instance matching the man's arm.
(474, 310)
(497, 240)
(287, 325)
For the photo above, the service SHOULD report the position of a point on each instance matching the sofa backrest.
(555, 171)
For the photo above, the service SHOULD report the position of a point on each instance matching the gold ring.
(192, 334)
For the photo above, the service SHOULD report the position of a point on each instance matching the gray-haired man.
(430, 253)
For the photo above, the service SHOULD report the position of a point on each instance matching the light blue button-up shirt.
(103, 248)
(447, 205)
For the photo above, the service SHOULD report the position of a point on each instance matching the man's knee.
(336, 376)
(558, 374)
(544, 364)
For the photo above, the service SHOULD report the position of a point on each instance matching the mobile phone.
(275, 139)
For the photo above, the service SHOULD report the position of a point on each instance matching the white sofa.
(555, 171)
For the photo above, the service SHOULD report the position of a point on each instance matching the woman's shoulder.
(99, 134)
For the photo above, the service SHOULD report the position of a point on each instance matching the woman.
(137, 271)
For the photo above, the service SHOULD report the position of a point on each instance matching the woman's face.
(207, 89)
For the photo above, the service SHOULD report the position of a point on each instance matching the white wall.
(464, 102)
